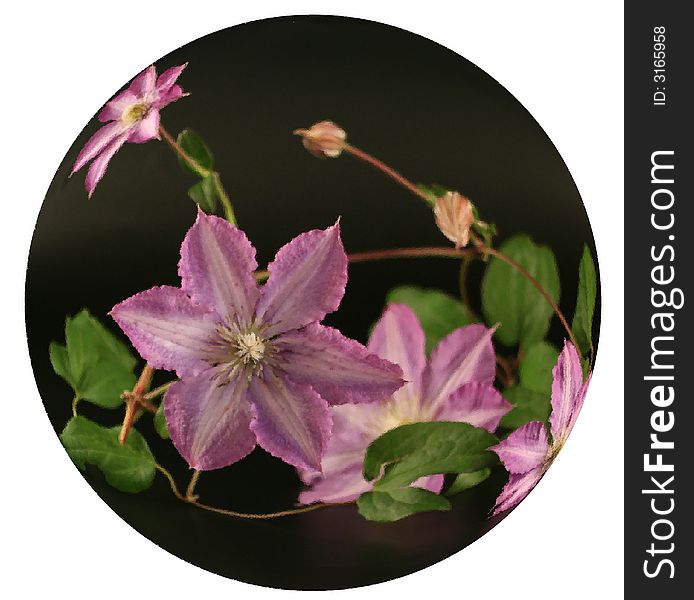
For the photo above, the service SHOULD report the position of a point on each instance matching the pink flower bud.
(454, 216)
(323, 139)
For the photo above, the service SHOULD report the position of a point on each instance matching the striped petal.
(340, 369)
(525, 449)
(291, 421)
(167, 329)
(168, 78)
(144, 83)
(307, 281)
(568, 392)
(209, 423)
(147, 129)
(175, 93)
(517, 488)
(97, 143)
(115, 107)
(398, 338)
(464, 356)
(216, 268)
(479, 404)
(98, 167)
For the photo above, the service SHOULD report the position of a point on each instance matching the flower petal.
(290, 420)
(307, 281)
(146, 129)
(568, 392)
(525, 449)
(355, 426)
(340, 486)
(175, 93)
(209, 423)
(340, 369)
(115, 107)
(167, 79)
(398, 338)
(144, 83)
(433, 483)
(517, 488)
(167, 329)
(479, 404)
(216, 268)
(464, 356)
(98, 168)
(101, 139)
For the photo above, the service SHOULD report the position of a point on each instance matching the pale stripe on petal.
(216, 268)
(398, 338)
(168, 329)
(525, 449)
(307, 281)
(291, 421)
(479, 404)
(209, 423)
(568, 392)
(464, 356)
(96, 144)
(517, 488)
(340, 369)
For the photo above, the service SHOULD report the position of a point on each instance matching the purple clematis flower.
(527, 452)
(132, 116)
(254, 364)
(456, 385)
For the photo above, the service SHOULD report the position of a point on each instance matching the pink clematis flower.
(132, 116)
(254, 363)
(456, 385)
(527, 453)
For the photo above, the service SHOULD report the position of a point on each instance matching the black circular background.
(420, 107)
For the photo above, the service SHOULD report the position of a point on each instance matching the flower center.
(250, 348)
(135, 113)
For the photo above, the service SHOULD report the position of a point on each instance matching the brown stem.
(507, 370)
(406, 183)
(134, 401)
(158, 391)
(389, 171)
(190, 495)
(192, 500)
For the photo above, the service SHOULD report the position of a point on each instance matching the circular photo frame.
(321, 312)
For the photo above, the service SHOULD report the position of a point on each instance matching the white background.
(60, 60)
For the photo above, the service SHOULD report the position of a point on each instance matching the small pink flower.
(131, 116)
(323, 139)
(454, 385)
(454, 217)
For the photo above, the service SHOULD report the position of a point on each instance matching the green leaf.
(194, 146)
(432, 191)
(438, 313)
(582, 325)
(128, 467)
(390, 505)
(160, 422)
(527, 406)
(535, 371)
(96, 364)
(412, 451)
(203, 194)
(510, 299)
(60, 360)
(466, 481)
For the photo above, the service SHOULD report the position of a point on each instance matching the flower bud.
(323, 139)
(454, 216)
